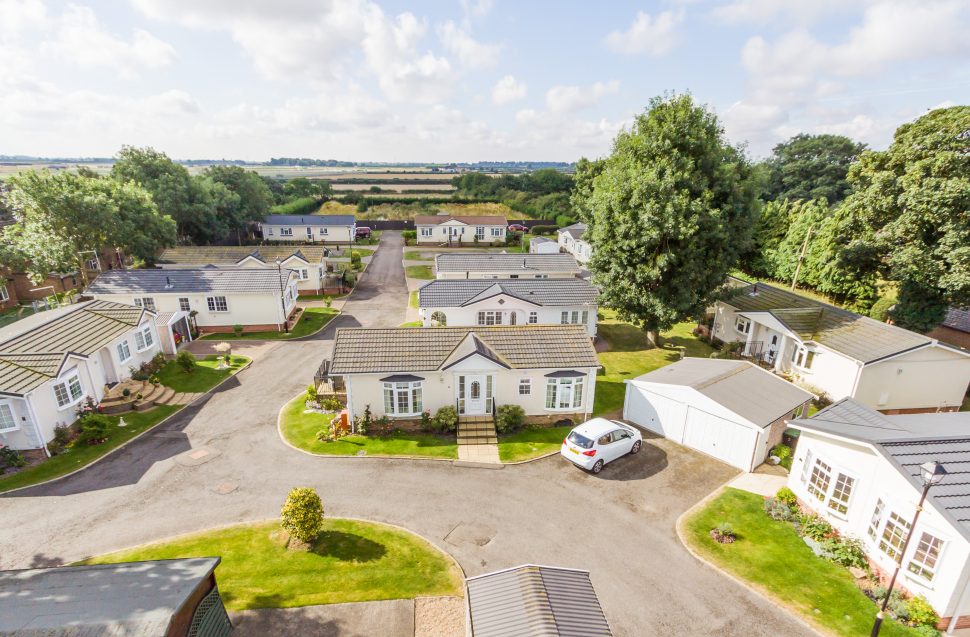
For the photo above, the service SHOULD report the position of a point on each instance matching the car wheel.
(596, 468)
(636, 447)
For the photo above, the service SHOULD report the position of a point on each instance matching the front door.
(475, 395)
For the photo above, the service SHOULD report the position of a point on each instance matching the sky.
(462, 80)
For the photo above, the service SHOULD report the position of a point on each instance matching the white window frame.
(498, 232)
(212, 302)
(68, 383)
(426, 232)
(286, 232)
(124, 351)
(309, 231)
(303, 274)
(4, 294)
(742, 325)
(410, 394)
(186, 306)
(922, 570)
(490, 317)
(554, 391)
(480, 232)
(8, 418)
(525, 387)
(324, 231)
(144, 339)
(832, 476)
(533, 318)
(269, 231)
(802, 357)
(146, 302)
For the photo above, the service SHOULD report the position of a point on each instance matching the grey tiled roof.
(535, 601)
(309, 220)
(470, 220)
(525, 263)
(958, 318)
(173, 281)
(907, 441)
(34, 356)
(858, 337)
(230, 255)
(742, 387)
(416, 349)
(576, 231)
(541, 240)
(544, 292)
(135, 599)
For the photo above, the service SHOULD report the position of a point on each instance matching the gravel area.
(439, 617)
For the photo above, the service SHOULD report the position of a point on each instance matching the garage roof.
(753, 393)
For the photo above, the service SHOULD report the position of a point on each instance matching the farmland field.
(407, 211)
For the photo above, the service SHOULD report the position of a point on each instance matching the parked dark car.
(363, 232)
(517, 227)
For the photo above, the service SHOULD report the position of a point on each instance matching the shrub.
(362, 423)
(815, 527)
(237, 329)
(778, 510)
(409, 236)
(327, 301)
(11, 458)
(846, 551)
(302, 514)
(331, 404)
(925, 630)
(126, 392)
(301, 206)
(355, 259)
(921, 613)
(782, 451)
(62, 435)
(538, 230)
(446, 420)
(427, 422)
(723, 533)
(94, 429)
(186, 360)
(880, 309)
(509, 418)
(362, 205)
(787, 496)
(899, 607)
(311, 393)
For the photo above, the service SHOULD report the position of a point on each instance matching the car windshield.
(579, 440)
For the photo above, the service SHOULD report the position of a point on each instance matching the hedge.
(301, 206)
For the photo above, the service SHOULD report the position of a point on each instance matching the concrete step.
(477, 427)
(478, 440)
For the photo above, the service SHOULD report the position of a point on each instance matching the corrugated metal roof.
(739, 386)
(470, 220)
(230, 255)
(535, 601)
(174, 281)
(524, 263)
(135, 599)
(858, 337)
(31, 357)
(405, 349)
(309, 220)
(545, 292)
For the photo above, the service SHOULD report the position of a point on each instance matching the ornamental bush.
(446, 420)
(787, 496)
(781, 451)
(921, 613)
(846, 551)
(94, 429)
(778, 510)
(186, 360)
(509, 418)
(814, 527)
(302, 514)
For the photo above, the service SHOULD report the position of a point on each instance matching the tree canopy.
(61, 216)
(670, 211)
(810, 167)
(300, 187)
(253, 196)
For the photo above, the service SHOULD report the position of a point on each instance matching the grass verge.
(204, 377)
(352, 561)
(313, 319)
(419, 272)
(631, 355)
(413, 299)
(300, 430)
(78, 456)
(774, 558)
(530, 443)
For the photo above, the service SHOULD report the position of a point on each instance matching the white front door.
(475, 395)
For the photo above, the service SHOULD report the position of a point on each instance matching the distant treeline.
(394, 180)
(301, 206)
(542, 194)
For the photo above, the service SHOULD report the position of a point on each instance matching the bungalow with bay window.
(508, 302)
(459, 230)
(548, 370)
(331, 229)
(51, 361)
(259, 299)
(841, 353)
(860, 470)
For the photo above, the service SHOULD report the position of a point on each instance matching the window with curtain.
(564, 393)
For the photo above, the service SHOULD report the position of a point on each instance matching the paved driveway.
(619, 525)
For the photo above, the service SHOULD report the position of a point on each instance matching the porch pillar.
(782, 345)
(752, 326)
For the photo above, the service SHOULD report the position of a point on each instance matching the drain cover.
(225, 488)
(470, 534)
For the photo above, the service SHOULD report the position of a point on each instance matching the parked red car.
(517, 227)
(363, 232)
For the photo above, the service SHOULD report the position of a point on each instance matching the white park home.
(52, 361)
(571, 239)
(483, 265)
(459, 230)
(859, 469)
(332, 229)
(543, 245)
(460, 302)
(549, 370)
(309, 262)
(259, 299)
(841, 353)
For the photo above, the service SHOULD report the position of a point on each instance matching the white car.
(599, 441)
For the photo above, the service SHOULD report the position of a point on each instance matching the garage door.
(718, 437)
(657, 413)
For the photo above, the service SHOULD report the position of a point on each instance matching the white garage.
(731, 410)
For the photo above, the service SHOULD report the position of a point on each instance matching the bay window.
(888, 530)
(68, 391)
(144, 338)
(926, 556)
(564, 393)
(403, 399)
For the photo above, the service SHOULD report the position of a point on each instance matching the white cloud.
(647, 35)
(475, 9)
(572, 98)
(507, 90)
(799, 12)
(471, 53)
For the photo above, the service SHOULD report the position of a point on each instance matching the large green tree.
(62, 216)
(909, 216)
(300, 187)
(671, 210)
(253, 197)
(810, 167)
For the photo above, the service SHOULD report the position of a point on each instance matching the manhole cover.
(196, 457)
(225, 488)
(470, 534)
(201, 453)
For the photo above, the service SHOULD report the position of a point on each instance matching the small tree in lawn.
(186, 360)
(302, 515)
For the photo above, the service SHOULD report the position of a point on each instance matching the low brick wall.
(555, 420)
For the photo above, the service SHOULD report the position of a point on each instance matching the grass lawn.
(411, 324)
(300, 430)
(419, 272)
(530, 443)
(313, 319)
(364, 252)
(631, 354)
(203, 378)
(76, 457)
(772, 556)
(413, 299)
(352, 561)
(418, 255)
(14, 314)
